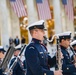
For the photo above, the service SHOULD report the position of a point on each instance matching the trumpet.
(58, 53)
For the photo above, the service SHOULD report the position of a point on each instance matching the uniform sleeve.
(33, 62)
(1, 72)
(11, 62)
(51, 61)
(72, 58)
(68, 68)
(24, 63)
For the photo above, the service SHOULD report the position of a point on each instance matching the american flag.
(43, 9)
(68, 6)
(18, 7)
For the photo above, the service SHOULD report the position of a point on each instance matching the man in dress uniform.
(2, 51)
(73, 44)
(37, 59)
(68, 67)
(19, 67)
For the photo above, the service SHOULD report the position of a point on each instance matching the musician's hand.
(58, 72)
(75, 64)
(75, 58)
(61, 55)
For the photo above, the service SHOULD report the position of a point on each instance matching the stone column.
(57, 16)
(63, 19)
(70, 26)
(32, 13)
(0, 29)
(15, 25)
(5, 23)
(67, 24)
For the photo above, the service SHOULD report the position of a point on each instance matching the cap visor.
(45, 29)
(4, 51)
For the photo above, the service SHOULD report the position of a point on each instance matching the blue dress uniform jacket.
(67, 67)
(37, 59)
(19, 68)
(1, 72)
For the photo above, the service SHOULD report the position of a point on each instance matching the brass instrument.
(58, 53)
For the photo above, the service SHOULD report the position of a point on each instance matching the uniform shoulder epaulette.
(31, 47)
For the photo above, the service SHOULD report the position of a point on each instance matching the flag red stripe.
(44, 10)
(19, 8)
(69, 9)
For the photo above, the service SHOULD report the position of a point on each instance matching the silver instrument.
(7, 58)
(10, 70)
(58, 53)
(50, 41)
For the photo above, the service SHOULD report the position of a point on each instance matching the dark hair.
(62, 39)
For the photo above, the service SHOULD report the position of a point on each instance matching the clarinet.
(58, 56)
(58, 53)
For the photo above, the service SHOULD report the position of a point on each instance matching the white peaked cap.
(74, 32)
(18, 47)
(1, 47)
(35, 24)
(73, 43)
(64, 33)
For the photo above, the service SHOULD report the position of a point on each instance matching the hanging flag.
(18, 7)
(68, 6)
(64, 2)
(43, 9)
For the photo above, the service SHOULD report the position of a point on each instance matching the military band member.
(19, 67)
(37, 58)
(2, 51)
(68, 67)
(73, 44)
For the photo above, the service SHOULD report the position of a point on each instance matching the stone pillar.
(0, 29)
(14, 24)
(32, 13)
(67, 24)
(63, 19)
(57, 16)
(70, 26)
(5, 23)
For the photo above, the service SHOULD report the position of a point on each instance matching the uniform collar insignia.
(41, 52)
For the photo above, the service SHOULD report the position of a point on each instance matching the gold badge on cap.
(35, 27)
